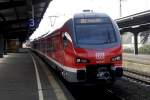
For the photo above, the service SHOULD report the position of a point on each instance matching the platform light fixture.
(135, 26)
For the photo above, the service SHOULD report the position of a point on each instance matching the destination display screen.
(91, 20)
(84, 21)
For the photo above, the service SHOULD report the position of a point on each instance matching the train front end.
(97, 49)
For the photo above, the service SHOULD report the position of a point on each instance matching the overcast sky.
(64, 8)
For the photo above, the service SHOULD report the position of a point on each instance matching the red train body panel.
(87, 48)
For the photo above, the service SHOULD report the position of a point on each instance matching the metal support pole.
(120, 8)
(20, 43)
(5, 46)
(32, 11)
(1, 46)
(136, 43)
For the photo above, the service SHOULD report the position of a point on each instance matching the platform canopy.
(136, 22)
(19, 18)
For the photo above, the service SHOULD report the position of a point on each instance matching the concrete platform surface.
(138, 63)
(18, 79)
(142, 59)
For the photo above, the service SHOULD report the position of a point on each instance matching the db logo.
(100, 55)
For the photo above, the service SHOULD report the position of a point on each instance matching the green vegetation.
(145, 49)
(128, 50)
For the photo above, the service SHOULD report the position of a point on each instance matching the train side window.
(48, 45)
(51, 45)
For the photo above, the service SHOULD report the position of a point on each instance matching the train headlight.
(117, 58)
(82, 60)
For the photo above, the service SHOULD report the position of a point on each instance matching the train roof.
(90, 15)
(77, 15)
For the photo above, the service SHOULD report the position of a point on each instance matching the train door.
(55, 48)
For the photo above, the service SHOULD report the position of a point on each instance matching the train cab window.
(95, 33)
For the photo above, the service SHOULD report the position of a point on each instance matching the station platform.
(23, 78)
(140, 58)
(137, 63)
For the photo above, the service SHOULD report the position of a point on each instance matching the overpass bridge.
(135, 24)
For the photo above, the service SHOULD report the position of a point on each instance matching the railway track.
(110, 92)
(93, 92)
(137, 77)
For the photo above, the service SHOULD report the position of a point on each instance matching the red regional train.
(87, 48)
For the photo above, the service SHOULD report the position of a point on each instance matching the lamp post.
(120, 7)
